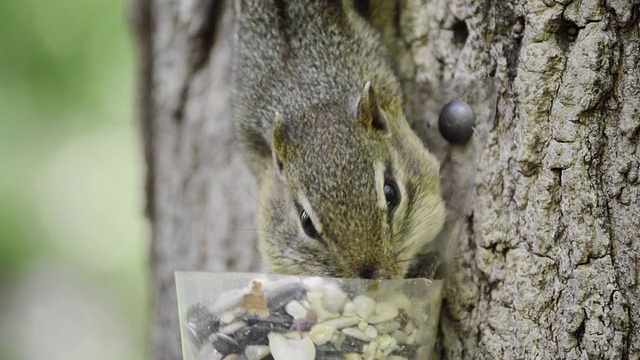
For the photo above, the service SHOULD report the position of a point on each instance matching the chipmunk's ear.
(281, 142)
(369, 114)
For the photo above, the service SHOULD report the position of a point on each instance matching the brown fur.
(314, 130)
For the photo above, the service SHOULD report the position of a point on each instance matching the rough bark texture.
(547, 264)
(200, 195)
(548, 267)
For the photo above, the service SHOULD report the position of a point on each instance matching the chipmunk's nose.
(369, 271)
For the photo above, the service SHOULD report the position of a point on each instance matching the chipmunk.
(346, 187)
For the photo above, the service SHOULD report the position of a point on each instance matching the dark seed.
(408, 351)
(350, 344)
(456, 122)
(224, 344)
(279, 297)
(279, 322)
(329, 351)
(253, 335)
(201, 323)
(336, 355)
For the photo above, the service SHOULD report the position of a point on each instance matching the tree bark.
(548, 267)
(547, 263)
(200, 196)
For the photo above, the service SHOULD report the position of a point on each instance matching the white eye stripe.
(306, 206)
(378, 171)
(403, 195)
(400, 182)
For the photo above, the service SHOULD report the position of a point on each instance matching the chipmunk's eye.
(307, 225)
(391, 194)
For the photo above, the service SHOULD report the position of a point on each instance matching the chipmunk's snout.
(375, 271)
(369, 271)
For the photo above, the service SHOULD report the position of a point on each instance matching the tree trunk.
(547, 264)
(200, 195)
(548, 267)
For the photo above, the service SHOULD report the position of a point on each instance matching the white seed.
(362, 325)
(285, 349)
(313, 284)
(384, 341)
(390, 348)
(320, 334)
(293, 335)
(232, 327)
(388, 326)
(256, 352)
(342, 322)
(352, 356)
(334, 298)
(295, 309)
(356, 333)
(365, 306)
(349, 309)
(239, 312)
(409, 327)
(423, 352)
(401, 301)
(208, 353)
(371, 332)
(400, 337)
(371, 351)
(284, 283)
(365, 353)
(384, 312)
(411, 339)
(305, 303)
(321, 313)
(227, 300)
(337, 339)
(386, 352)
(227, 317)
(313, 296)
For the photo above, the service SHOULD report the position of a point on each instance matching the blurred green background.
(73, 238)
